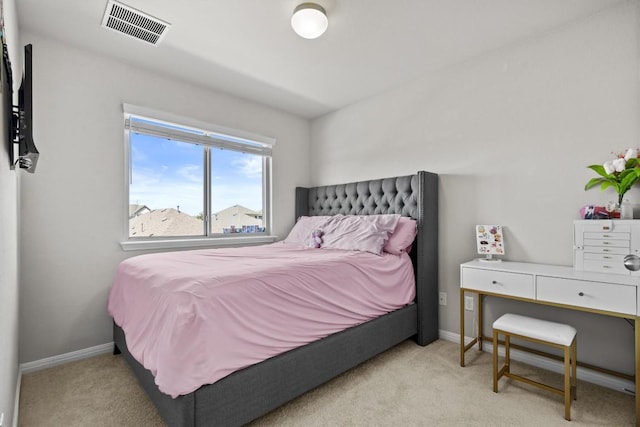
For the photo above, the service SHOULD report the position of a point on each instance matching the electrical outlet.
(442, 298)
(468, 303)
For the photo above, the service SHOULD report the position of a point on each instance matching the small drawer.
(501, 282)
(606, 226)
(604, 257)
(605, 266)
(608, 236)
(607, 243)
(606, 250)
(581, 293)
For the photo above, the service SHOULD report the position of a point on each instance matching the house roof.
(237, 216)
(165, 222)
(238, 210)
(137, 209)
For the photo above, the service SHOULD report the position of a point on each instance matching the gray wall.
(510, 133)
(9, 240)
(72, 207)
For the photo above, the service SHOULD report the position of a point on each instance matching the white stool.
(543, 332)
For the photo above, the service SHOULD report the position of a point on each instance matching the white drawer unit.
(582, 293)
(601, 245)
(500, 282)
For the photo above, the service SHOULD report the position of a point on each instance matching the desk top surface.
(550, 270)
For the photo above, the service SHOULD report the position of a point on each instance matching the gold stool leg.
(567, 383)
(574, 376)
(507, 352)
(495, 361)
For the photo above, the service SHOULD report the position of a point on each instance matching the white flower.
(608, 167)
(632, 153)
(619, 164)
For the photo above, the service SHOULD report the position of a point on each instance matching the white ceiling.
(247, 47)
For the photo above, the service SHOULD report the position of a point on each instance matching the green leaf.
(593, 182)
(607, 184)
(622, 175)
(628, 180)
(599, 169)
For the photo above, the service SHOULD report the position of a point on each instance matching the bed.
(248, 393)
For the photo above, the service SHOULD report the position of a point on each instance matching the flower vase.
(613, 209)
(626, 210)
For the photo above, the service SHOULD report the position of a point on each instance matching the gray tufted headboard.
(414, 196)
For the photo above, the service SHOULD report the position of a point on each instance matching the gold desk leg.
(480, 331)
(462, 327)
(637, 360)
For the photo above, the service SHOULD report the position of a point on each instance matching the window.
(189, 180)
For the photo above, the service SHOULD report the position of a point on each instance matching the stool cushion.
(543, 330)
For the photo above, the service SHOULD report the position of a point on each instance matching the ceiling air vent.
(133, 23)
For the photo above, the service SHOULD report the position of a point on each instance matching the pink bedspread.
(194, 317)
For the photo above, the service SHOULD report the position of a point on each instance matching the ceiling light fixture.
(309, 20)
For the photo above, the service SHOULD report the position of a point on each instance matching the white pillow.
(358, 232)
(301, 231)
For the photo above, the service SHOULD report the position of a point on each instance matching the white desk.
(609, 294)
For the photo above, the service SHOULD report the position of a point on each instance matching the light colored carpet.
(408, 385)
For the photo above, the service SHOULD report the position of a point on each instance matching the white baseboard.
(49, 362)
(584, 374)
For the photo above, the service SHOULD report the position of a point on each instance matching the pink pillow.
(301, 231)
(366, 233)
(402, 237)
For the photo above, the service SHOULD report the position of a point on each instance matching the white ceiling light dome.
(309, 20)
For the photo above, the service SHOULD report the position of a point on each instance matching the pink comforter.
(194, 317)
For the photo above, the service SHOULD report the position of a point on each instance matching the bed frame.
(251, 392)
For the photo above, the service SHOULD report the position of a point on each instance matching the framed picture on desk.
(490, 240)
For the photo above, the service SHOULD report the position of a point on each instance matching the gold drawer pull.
(606, 257)
(606, 266)
(605, 250)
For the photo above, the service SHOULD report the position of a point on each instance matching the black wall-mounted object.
(8, 122)
(18, 119)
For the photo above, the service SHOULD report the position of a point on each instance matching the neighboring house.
(236, 219)
(165, 222)
(144, 222)
(135, 210)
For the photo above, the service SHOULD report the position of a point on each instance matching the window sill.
(142, 245)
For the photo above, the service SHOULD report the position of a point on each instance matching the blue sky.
(167, 174)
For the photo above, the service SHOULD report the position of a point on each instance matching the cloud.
(192, 173)
(158, 190)
(137, 155)
(245, 194)
(249, 166)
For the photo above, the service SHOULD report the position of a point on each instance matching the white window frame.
(215, 137)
